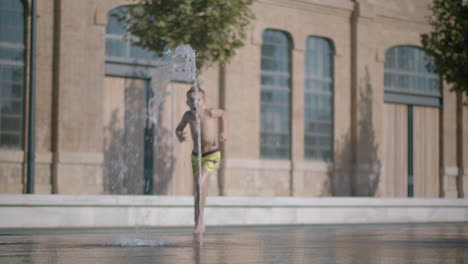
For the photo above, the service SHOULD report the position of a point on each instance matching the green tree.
(214, 28)
(448, 42)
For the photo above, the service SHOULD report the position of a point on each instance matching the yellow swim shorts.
(210, 161)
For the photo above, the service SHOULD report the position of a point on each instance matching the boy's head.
(192, 100)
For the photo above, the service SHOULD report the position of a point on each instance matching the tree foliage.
(448, 42)
(214, 28)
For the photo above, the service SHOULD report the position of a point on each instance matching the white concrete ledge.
(46, 211)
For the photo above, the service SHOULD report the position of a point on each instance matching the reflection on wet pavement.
(361, 244)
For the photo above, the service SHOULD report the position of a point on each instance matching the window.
(275, 95)
(318, 100)
(12, 48)
(410, 77)
(119, 49)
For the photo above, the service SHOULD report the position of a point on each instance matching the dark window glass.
(12, 32)
(318, 100)
(275, 95)
(121, 49)
(410, 70)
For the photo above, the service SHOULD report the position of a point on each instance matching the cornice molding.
(330, 7)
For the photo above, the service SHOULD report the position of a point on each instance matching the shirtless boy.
(211, 155)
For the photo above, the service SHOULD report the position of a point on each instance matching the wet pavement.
(357, 244)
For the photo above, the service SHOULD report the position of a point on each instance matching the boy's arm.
(219, 113)
(180, 128)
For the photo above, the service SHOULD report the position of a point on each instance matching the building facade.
(326, 98)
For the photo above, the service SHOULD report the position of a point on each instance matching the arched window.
(12, 47)
(275, 95)
(318, 100)
(122, 57)
(410, 77)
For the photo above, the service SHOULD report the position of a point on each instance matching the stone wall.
(300, 20)
(70, 119)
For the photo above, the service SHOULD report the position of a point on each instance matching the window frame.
(309, 76)
(273, 151)
(410, 96)
(127, 66)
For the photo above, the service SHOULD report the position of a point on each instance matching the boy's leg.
(206, 174)
(196, 199)
(195, 174)
(200, 201)
(196, 203)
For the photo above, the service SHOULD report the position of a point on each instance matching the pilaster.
(449, 168)
(297, 120)
(366, 96)
(463, 177)
(78, 112)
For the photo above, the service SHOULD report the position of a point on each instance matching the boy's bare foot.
(199, 230)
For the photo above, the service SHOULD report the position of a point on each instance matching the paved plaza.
(360, 244)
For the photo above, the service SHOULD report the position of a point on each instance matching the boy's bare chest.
(205, 120)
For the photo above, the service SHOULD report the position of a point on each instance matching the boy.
(211, 155)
